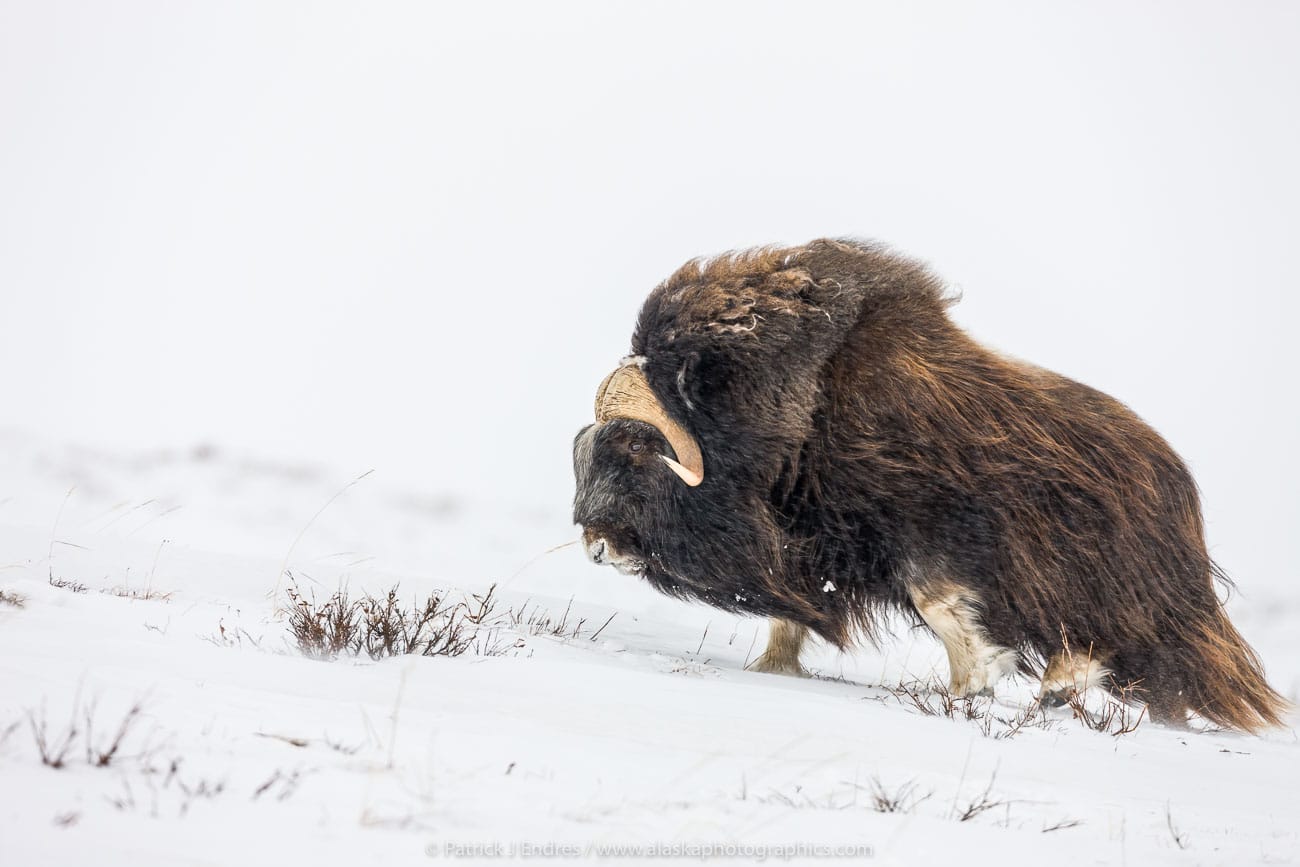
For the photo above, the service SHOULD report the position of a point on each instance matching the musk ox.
(803, 434)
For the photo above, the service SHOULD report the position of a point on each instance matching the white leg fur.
(1071, 672)
(784, 642)
(974, 662)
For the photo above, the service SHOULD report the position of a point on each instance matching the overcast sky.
(414, 237)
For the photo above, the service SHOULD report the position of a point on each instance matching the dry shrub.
(982, 803)
(539, 622)
(66, 584)
(145, 594)
(938, 700)
(54, 747)
(383, 626)
(1120, 712)
(904, 799)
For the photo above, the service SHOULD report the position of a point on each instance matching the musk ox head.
(697, 431)
(625, 463)
(651, 504)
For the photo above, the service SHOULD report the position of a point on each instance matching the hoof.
(1051, 699)
(765, 666)
(986, 692)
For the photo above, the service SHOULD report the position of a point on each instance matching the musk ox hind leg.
(975, 662)
(1207, 668)
(784, 642)
(1069, 672)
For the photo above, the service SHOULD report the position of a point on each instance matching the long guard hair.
(862, 452)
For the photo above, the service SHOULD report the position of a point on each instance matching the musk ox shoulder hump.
(780, 294)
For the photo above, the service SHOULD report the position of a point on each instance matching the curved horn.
(625, 393)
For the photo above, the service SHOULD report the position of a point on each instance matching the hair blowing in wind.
(804, 434)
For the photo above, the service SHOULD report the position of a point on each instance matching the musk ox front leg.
(975, 663)
(784, 642)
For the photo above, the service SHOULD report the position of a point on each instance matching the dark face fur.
(710, 542)
(720, 542)
(620, 479)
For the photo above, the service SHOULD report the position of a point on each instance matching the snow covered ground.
(648, 732)
(412, 237)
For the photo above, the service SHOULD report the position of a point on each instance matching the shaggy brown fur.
(852, 434)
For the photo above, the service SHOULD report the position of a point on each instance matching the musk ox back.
(803, 434)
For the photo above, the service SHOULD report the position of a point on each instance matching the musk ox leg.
(1068, 672)
(975, 663)
(784, 641)
(1168, 710)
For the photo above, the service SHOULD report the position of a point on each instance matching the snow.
(650, 733)
(251, 252)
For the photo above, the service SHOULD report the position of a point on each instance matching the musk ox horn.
(625, 393)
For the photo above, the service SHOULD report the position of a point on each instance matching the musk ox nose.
(597, 550)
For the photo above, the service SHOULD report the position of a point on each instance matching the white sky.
(414, 236)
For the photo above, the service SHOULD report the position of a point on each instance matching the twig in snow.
(1180, 839)
(603, 625)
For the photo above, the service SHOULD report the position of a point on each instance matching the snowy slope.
(647, 733)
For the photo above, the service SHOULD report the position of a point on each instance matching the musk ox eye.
(636, 447)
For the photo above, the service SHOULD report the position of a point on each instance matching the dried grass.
(384, 626)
